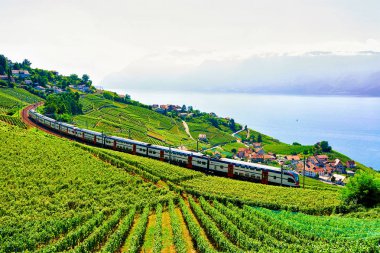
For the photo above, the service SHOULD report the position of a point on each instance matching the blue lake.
(351, 125)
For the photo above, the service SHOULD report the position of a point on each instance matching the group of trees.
(62, 106)
(363, 188)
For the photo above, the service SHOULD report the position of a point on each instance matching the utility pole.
(197, 145)
(304, 165)
(103, 139)
(282, 169)
(170, 153)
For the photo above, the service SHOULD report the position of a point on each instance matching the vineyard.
(63, 196)
(13, 99)
(50, 188)
(131, 121)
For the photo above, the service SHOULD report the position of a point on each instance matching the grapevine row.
(178, 239)
(117, 238)
(138, 233)
(158, 230)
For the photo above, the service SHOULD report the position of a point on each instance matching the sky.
(152, 43)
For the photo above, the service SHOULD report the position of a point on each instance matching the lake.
(351, 125)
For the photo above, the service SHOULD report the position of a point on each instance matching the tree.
(85, 78)
(233, 150)
(259, 138)
(190, 108)
(232, 125)
(3, 64)
(214, 122)
(26, 64)
(363, 188)
(325, 146)
(183, 109)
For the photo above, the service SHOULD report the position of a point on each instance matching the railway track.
(25, 118)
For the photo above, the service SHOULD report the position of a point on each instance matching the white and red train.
(192, 160)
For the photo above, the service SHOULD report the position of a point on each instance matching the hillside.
(68, 200)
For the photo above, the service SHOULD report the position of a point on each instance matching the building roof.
(292, 157)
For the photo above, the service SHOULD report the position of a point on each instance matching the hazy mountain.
(313, 73)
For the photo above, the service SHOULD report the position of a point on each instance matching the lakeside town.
(318, 166)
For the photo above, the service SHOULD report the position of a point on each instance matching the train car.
(263, 173)
(232, 168)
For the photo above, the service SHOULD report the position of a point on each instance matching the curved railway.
(192, 160)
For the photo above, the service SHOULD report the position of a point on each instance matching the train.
(191, 160)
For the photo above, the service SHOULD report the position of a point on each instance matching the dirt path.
(187, 129)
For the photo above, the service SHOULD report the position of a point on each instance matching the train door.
(94, 139)
(264, 178)
(134, 149)
(189, 162)
(162, 155)
(230, 172)
(114, 144)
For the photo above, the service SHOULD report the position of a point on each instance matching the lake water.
(351, 125)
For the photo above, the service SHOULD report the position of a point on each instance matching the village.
(314, 166)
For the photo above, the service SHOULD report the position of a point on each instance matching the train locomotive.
(192, 160)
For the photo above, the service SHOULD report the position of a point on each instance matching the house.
(28, 82)
(244, 152)
(294, 159)
(259, 151)
(202, 137)
(164, 107)
(4, 77)
(40, 88)
(350, 164)
(256, 145)
(155, 106)
(212, 114)
(182, 114)
(256, 158)
(339, 167)
(159, 110)
(351, 173)
(322, 158)
(20, 73)
(315, 161)
(268, 157)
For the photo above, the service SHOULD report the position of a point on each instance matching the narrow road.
(233, 134)
(187, 129)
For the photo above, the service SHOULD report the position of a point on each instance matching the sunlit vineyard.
(49, 186)
(13, 99)
(13, 121)
(273, 197)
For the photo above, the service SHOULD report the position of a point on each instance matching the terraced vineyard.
(12, 121)
(131, 121)
(13, 99)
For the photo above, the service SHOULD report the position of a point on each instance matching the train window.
(203, 163)
(199, 162)
(221, 166)
(291, 180)
(274, 177)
